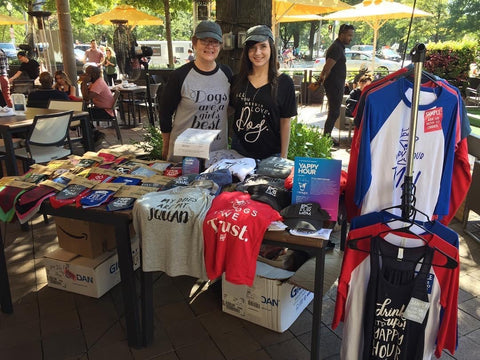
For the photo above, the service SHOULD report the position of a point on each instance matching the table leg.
(317, 303)
(87, 134)
(147, 307)
(129, 290)
(10, 160)
(5, 295)
(121, 109)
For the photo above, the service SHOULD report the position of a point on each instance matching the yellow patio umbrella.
(376, 13)
(9, 20)
(127, 13)
(282, 10)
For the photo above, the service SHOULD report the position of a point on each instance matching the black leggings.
(111, 79)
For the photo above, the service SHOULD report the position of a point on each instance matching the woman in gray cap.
(196, 94)
(263, 99)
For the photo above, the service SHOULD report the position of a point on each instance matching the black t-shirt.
(32, 68)
(40, 98)
(256, 126)
(337, 76)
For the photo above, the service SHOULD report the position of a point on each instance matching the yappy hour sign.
(317, 180)
(433, 120)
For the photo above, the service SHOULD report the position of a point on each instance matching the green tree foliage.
(464, 18)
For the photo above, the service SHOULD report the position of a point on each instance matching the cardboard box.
(89, 239)
(81, 275)
(271, 303)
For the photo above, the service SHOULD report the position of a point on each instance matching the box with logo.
(89, 239)
(81, 275)
(271, 303)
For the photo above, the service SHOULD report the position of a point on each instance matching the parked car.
(362, 48)
(9, 49)
(355, 59)
(83, 47)
(388, 54)
(79, 55)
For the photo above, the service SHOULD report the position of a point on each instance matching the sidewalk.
(53, 324)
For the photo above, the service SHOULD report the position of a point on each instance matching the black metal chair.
(111, 119)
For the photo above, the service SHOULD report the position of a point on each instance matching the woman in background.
(63, 84)
(263, 99)
(110, 64)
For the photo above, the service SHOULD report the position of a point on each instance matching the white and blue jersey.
(382, 156)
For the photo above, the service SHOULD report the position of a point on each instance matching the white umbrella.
(282, 9)
(376, 13)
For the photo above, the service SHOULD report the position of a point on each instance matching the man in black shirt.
(29, 69)
(333, 75)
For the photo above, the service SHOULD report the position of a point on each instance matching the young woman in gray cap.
(197, 94)
(264, 100)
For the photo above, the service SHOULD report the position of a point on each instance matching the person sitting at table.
(96, 90)
(29, 68)
(63, 84)
(41, 97)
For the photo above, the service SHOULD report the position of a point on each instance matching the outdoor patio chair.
(69, 105)
(47, 139)
(111, 119)
(154, 99)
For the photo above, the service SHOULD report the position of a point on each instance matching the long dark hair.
(246, 69)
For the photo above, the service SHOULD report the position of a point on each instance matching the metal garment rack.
(408, 193)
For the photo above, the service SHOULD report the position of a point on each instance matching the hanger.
(450, 263)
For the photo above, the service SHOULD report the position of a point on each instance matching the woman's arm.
(166, 144)
(284, 136)
(72, 91)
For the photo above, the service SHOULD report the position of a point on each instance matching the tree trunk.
(237, 16)
(66, 40)
(313, 29)
(168, 32)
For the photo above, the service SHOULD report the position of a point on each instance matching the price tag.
(416, 310)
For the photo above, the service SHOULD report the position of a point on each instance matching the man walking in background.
(334, 74)
(94, 56)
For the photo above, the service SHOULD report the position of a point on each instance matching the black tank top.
(392, 283)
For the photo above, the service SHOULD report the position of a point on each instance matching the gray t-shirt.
(170, 227)
(196, 99)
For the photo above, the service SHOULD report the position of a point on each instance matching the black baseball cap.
(305, 216)
(208, 29)
(275, 166)
(258, 33)
(276, 197)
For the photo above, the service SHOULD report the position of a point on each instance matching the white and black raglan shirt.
(170, 227)
(193, 98)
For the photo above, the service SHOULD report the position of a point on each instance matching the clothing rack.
(408, 190)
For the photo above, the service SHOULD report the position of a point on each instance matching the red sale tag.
(433, 120)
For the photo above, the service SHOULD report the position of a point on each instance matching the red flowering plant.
(451, 61)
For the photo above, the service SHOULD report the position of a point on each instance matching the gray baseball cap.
(258, 33)
(208, 29)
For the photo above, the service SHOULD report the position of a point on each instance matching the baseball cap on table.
(275, 166)
(305, 216)
(276, 197)
(208, 29)
(258, 33)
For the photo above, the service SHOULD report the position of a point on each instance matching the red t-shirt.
(233, 231)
